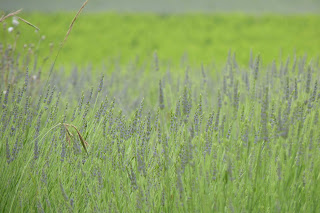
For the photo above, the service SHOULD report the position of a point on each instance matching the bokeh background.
(199, 31)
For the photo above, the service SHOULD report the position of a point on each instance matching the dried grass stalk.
(69, 135)
(25, 21)
(73, 21)
(66, 36)
(3, 17)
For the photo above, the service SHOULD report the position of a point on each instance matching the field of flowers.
(146, 135)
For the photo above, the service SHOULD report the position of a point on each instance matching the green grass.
(237, 140)
(203, 38)
(241, 138)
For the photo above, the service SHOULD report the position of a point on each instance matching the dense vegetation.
(151, 136)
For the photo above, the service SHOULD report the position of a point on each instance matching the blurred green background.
(199, 31)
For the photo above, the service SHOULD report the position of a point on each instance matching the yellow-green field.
(99, 37)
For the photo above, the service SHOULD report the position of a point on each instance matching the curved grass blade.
(83, 142)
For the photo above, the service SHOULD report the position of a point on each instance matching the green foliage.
(202, 38)
(151, 136)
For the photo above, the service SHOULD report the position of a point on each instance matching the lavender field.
(153, 136)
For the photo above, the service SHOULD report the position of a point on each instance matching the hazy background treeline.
(170, 6)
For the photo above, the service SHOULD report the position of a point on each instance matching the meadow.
(216, 130)
(201, 38)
